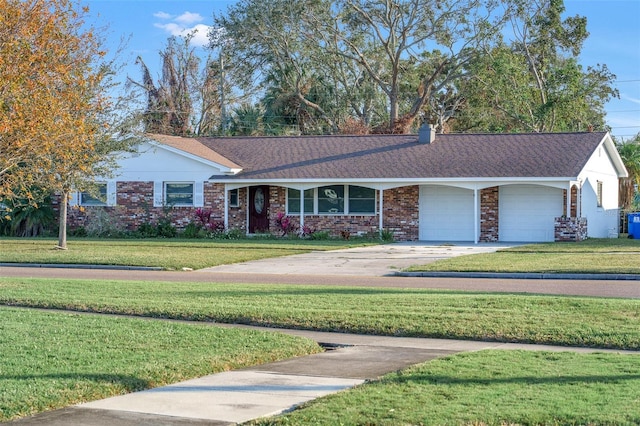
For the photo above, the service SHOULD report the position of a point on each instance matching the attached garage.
(446, 214)
(527, 212)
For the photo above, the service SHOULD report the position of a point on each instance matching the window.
(95, 198)
(333, 199)
(178, 194)
(234, 200)
(362, 200)
(599, 193)
(293, 195)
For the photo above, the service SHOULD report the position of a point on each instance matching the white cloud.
(201, 35)
(162, 15)
(188, 18)
(181, 26)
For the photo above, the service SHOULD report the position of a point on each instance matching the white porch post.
(226, 207)
(476, 219)
(380, 218)
(301, 210)
(579, 200)
(569, 201)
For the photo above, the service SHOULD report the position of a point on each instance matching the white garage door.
(527, 212)
(446, 214)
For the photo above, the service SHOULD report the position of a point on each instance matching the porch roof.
(531, 155)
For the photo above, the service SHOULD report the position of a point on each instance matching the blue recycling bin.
(634, 225)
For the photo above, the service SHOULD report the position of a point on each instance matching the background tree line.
(382, 66)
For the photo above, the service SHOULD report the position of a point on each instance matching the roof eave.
(223, 169)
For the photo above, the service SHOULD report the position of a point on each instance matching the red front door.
(258, 209)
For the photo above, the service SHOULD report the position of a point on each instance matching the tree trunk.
(62, 232)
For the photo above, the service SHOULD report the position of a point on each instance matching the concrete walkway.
(239, 396)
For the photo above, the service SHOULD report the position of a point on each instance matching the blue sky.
(614, 27)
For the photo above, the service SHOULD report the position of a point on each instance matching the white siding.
(152, 163)
(602, 221)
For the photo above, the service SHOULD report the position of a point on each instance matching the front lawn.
(572, 321)
(619, 256)
(51, 360)
(489, 388)
(164, 253)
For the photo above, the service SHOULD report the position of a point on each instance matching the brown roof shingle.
(401, 156)
(195, 147)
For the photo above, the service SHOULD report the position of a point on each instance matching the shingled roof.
(402, 156)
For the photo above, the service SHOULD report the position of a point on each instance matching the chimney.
(426, 134)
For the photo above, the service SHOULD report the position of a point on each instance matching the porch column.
(380, 204)
(476, 220)
(226, 207)
(569, 202)
(301, 211)
(579, 200)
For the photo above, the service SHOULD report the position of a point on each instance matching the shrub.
(386, 235)
(284, 224)
(320, 235)
(21, 219)
(192, 230)
(166, 229)
(101, 223)
(146, 230)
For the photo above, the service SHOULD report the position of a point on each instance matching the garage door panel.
(527, 212)
(446, 214)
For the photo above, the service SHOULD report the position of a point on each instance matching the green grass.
(621, 256)
(51, 360)
(168, 254)
(489, 388)
(573, 321)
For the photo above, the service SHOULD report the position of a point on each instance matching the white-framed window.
(293, 201)
(599, 193)
(178, 193)
(362, 200)
(234, 199)
(94, 198)
(333, 200)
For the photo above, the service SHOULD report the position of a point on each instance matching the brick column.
(489, 218)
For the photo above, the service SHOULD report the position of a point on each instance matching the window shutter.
(157, 194)
(111, 193)
(74, 199)
(198, 196)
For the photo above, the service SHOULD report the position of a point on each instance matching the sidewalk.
(239, 396)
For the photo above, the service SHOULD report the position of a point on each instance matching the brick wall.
(400, 216)
(574, 202)
(570, 229)
(489, 214)
(135, 207)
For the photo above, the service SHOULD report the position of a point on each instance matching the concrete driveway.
(377, 260)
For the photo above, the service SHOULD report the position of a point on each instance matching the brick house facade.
(400, 216)
(451, 187)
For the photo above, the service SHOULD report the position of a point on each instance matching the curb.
(82, 266)
(522, 275)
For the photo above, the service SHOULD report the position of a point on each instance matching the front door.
(258, 209)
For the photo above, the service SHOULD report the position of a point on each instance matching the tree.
(630, 153)
(266, 42)
(185, 100)
(358, 52)
(54, 131)
(534, 83)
